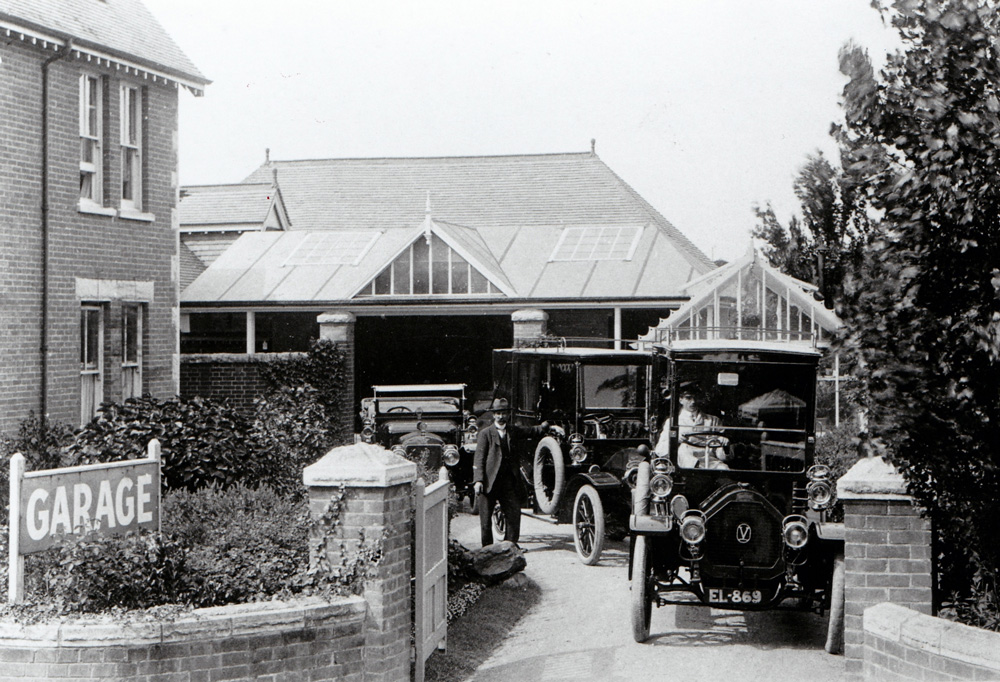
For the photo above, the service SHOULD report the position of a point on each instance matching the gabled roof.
(239, 207)
(504, 215)
(118, 30)
(788, 292)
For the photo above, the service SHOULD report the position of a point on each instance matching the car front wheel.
(642, 603)
(588, 525)
(548, 475)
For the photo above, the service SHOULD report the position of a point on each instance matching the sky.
(705, 107)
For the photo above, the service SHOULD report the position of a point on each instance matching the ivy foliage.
(921, 142)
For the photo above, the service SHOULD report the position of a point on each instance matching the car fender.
(601, 480)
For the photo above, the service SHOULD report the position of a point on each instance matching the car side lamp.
(820, 488)
(450, 455)
(577, 451)
(368, 430)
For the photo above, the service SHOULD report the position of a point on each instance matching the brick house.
(89, 267)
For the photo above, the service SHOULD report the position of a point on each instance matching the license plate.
(718, 595)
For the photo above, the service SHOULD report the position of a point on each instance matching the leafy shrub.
(41, 442)
(134, 571)
(225, 546)
(323, 370)
(203, 442)
(243, 544)
(290, 430)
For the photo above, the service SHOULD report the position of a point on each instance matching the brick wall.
(887, 550)
(228, 377)
(81, 244)
(902, 644)
(301, 640)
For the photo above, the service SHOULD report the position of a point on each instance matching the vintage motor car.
(598, 401)
(729, 507)
(425, 423)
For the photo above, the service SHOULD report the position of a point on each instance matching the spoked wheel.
(835, 627)
(588, 525)
(499, 523)
(642, 601)
(548, 475)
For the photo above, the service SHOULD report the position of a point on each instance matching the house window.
(430, 268)
(131, 142)
(91, 134)
(131, 350)
(91, 361)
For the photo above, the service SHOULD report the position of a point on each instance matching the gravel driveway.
(580, 629)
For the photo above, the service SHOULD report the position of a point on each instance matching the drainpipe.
(44, 348)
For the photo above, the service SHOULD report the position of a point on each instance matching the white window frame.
(400, 286)
(91, 369)
(132, 367)
(130, 107)
(92, 138)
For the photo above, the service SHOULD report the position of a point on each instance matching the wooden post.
(153, 452)
(15, 571)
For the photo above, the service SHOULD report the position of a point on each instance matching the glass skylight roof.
(597, 243)
(332, 247)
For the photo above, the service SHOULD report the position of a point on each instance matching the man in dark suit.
(496, 471)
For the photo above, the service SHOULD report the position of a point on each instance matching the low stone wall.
(902, 644)
(308, 639)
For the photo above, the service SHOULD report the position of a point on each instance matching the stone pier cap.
(872, 478)
(360, 465)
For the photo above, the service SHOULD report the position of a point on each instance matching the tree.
(921, 143)
(829, 239)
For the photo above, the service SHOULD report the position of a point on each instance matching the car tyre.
(548, 475)
(642, 603)
(835, 626)
(499, 522)
(588, 525)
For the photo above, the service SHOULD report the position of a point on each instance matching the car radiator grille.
(726, 528)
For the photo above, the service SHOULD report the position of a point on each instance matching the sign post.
(15, 572)
(107, 499)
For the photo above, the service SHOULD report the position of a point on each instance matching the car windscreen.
(613, 386)
(764, 410)
(426, 404)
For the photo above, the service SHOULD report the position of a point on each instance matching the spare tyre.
(548, 475)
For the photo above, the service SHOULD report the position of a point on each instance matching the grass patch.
(474, 636)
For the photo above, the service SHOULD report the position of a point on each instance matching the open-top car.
(599, 402)
(426, 423)
(729, 507)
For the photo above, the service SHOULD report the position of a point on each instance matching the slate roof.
(122, 28)
(191, 265)
(504, 214)
(226, 205)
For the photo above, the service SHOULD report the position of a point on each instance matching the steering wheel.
(705, 439)
(398, 408)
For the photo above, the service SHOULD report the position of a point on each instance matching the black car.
(425, 423)
(598, 402)
(729, 506)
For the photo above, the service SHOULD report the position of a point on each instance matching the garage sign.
(107, 499)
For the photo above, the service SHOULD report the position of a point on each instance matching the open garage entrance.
(430, 349)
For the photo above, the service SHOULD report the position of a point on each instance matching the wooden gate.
(430, 614)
